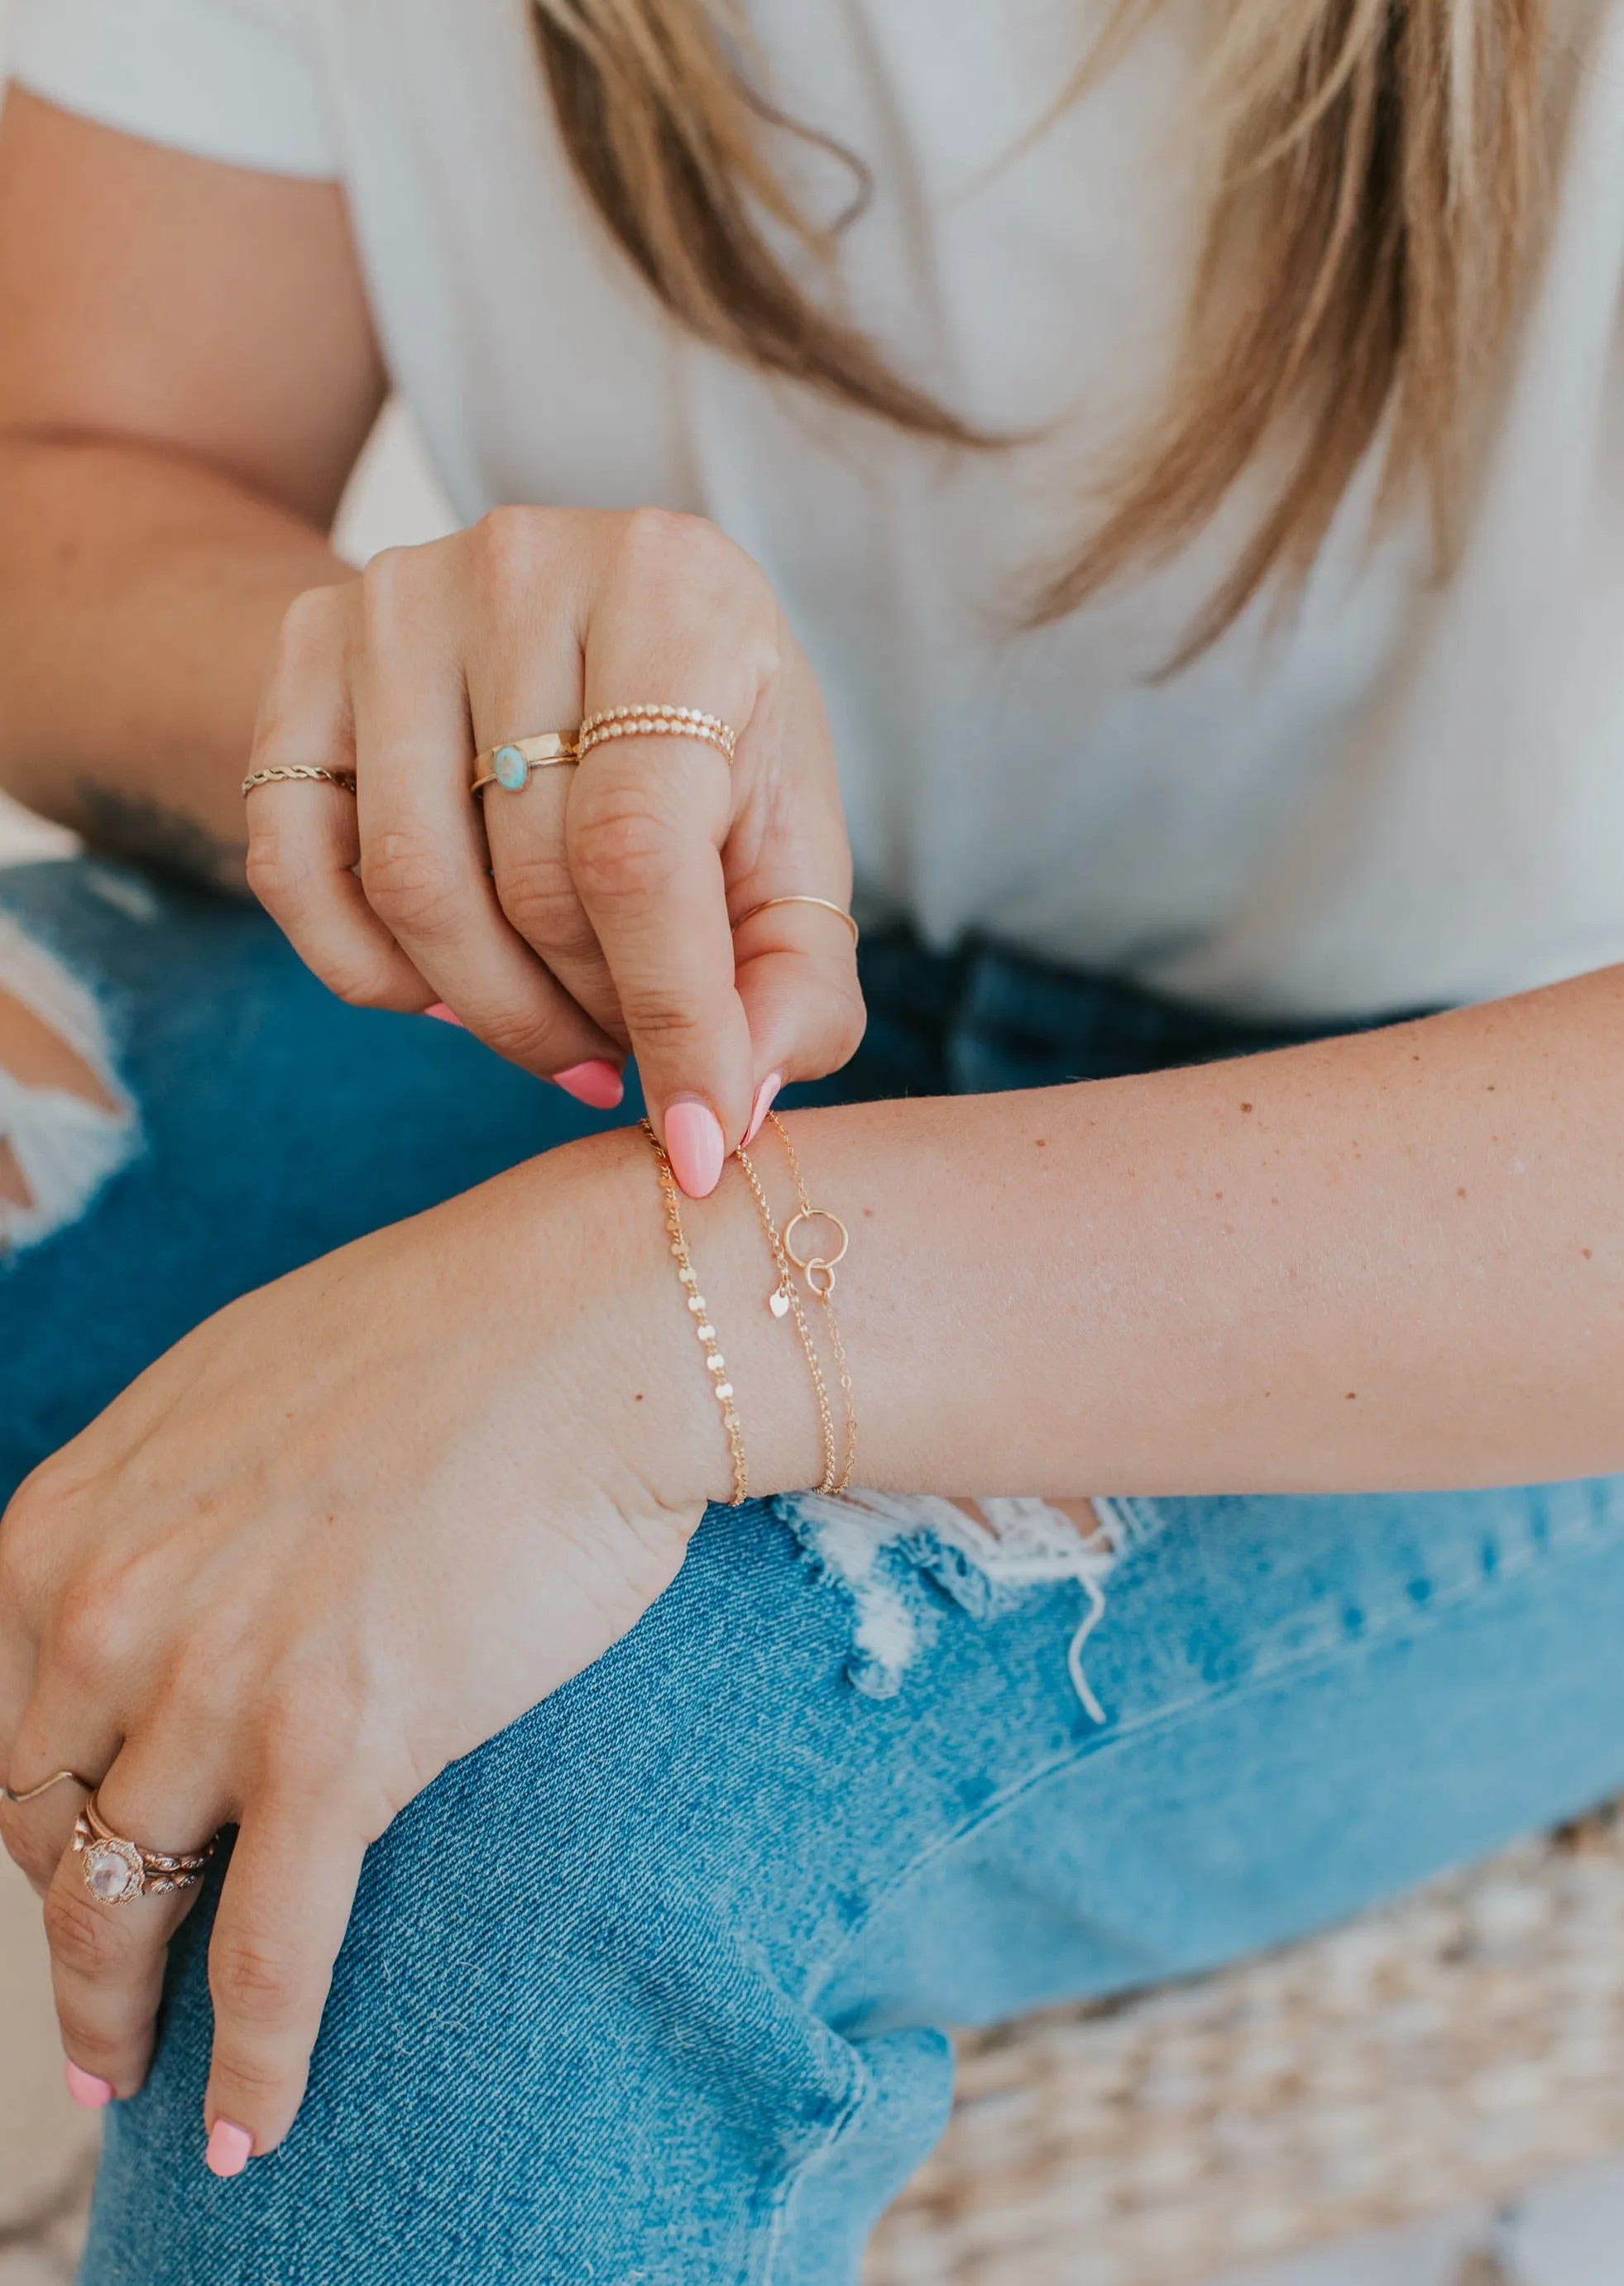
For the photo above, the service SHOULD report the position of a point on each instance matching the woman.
(1181, 454)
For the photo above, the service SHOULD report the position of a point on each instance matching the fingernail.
(89, 2093)
(765, 1096)
(442, 1015)
(229, 2147)
(597, 1084)
(694, 1147)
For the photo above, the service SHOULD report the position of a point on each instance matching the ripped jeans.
(653, 1988)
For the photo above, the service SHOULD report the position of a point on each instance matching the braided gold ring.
(285, 773)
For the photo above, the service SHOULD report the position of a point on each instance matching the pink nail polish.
(597, 1084)
(765, 1096)
(89, 2093)
(229, 2149)
(442, 1015)
(694, 1147)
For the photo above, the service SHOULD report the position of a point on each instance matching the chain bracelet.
(783, 1299)
(818, 1270)
(722, 1388)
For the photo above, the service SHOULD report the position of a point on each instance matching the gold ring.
(510, 764)
(57, 1777)
(827, 903)
(116, 1869)
(284, 773)
(657, 723)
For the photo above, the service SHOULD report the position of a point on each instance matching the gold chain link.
(715, 1363)
(784, 1296)
(819, 1272)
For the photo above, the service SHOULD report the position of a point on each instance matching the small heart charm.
(779, 1302)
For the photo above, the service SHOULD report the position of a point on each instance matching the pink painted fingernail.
(442, 1015)
(89, 2093)
(765, 1096)
(229, 2149)
(597, 1084)
(694, 1147)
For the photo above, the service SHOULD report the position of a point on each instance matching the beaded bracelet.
(722, 1388)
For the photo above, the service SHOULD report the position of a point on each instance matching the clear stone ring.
(117, 1869)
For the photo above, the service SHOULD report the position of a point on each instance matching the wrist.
(611, 1288)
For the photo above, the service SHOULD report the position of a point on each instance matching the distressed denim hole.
(884, 1551)
(66, 1124)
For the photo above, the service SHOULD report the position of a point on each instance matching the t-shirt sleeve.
(225, 79)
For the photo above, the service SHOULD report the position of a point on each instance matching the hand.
(343, 1533)
(589, 913)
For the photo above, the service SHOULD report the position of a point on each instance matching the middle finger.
(423, 855)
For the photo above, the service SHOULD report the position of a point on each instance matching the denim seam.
(788, 2182)
(1577, 1540)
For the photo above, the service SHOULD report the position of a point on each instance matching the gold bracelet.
(722, 1388)
(818, 1270)
(781, 1301)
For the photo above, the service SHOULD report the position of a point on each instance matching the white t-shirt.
(1406, 795)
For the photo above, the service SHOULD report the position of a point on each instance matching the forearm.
(140, 597)
(1391, 1260)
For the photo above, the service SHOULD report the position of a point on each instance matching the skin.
(303, 1562)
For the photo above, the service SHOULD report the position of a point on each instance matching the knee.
(66, 1125)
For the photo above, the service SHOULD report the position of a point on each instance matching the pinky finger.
(283, 1913)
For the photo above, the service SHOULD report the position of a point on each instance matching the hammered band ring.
(827, 903)
(510, 764)
(284, 773)
(116, 1869)
(657, 723)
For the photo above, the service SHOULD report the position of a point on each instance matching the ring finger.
(522, 692)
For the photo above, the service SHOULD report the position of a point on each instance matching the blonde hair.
(1368, 233)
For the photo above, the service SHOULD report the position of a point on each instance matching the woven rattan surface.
(1444, 2051)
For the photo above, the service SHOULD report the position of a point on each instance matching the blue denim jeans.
(652, 1987)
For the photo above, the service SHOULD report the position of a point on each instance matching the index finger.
(646, 822)
(679, 618)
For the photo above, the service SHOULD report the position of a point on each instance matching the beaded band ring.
(657, 723)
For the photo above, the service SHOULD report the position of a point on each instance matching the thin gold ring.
(284, 773)
(827, 903)
(116, 1869)
(57, 1777)
(510, 764)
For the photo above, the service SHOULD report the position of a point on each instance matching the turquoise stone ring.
(512, 765)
